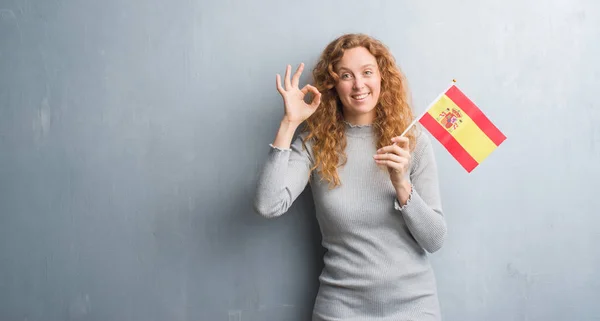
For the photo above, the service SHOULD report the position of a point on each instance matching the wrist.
(403, 191)
(285, 122)
(288, 128)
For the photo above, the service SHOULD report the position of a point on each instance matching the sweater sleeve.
(282, 179)
(423, 212)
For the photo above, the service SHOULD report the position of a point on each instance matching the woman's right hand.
(296, 109)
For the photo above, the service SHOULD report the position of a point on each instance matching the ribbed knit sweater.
(376, 265)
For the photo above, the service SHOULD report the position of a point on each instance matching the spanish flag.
(462, 128)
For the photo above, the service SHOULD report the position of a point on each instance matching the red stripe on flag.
(449, 142)
(478, 117)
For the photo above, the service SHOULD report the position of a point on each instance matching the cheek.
(343, 89)
(375, 87)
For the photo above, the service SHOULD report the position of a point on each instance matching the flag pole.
(427, 109)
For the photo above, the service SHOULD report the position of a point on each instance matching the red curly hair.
(326, 127)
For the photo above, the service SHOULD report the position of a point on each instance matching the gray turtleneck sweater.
(376, 265)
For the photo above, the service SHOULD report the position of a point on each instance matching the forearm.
(419, 199)
(428, 226)
(285, 134)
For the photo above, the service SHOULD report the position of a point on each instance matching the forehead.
(356, 58)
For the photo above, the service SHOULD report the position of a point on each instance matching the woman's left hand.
(397, 159)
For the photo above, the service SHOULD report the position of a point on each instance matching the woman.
(377, 224)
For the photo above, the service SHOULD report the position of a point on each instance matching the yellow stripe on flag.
(467, 133)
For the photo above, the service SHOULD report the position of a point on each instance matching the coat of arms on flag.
(450, 119)
(461, 127)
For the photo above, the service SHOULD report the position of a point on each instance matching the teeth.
(361, 96)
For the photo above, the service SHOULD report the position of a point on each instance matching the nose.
(358, 83)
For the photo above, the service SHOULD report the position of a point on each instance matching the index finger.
(394, 149)
(401, 141)
(316, 94)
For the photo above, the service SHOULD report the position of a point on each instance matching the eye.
(368, 72)
(345, 76)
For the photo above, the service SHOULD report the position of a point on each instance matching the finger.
(316, 100)
(278, 83)
(395, 149)
(296, 78)
(316, 95)
(401, 141)
(400, 167)
(288, 84)
(309, 88)
(389, 157)
(305, 90)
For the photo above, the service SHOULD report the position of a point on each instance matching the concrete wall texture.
(131, 133)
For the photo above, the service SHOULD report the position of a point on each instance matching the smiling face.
(359, 85)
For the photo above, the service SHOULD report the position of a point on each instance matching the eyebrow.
(364, 66)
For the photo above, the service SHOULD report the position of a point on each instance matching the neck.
(360, 119)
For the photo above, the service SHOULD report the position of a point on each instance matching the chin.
(363, 107)
(360, 111)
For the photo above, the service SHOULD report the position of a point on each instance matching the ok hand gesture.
(296, 109)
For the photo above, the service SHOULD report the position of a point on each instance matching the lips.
(361, 96)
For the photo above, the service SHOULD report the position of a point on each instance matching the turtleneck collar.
(358, 130)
